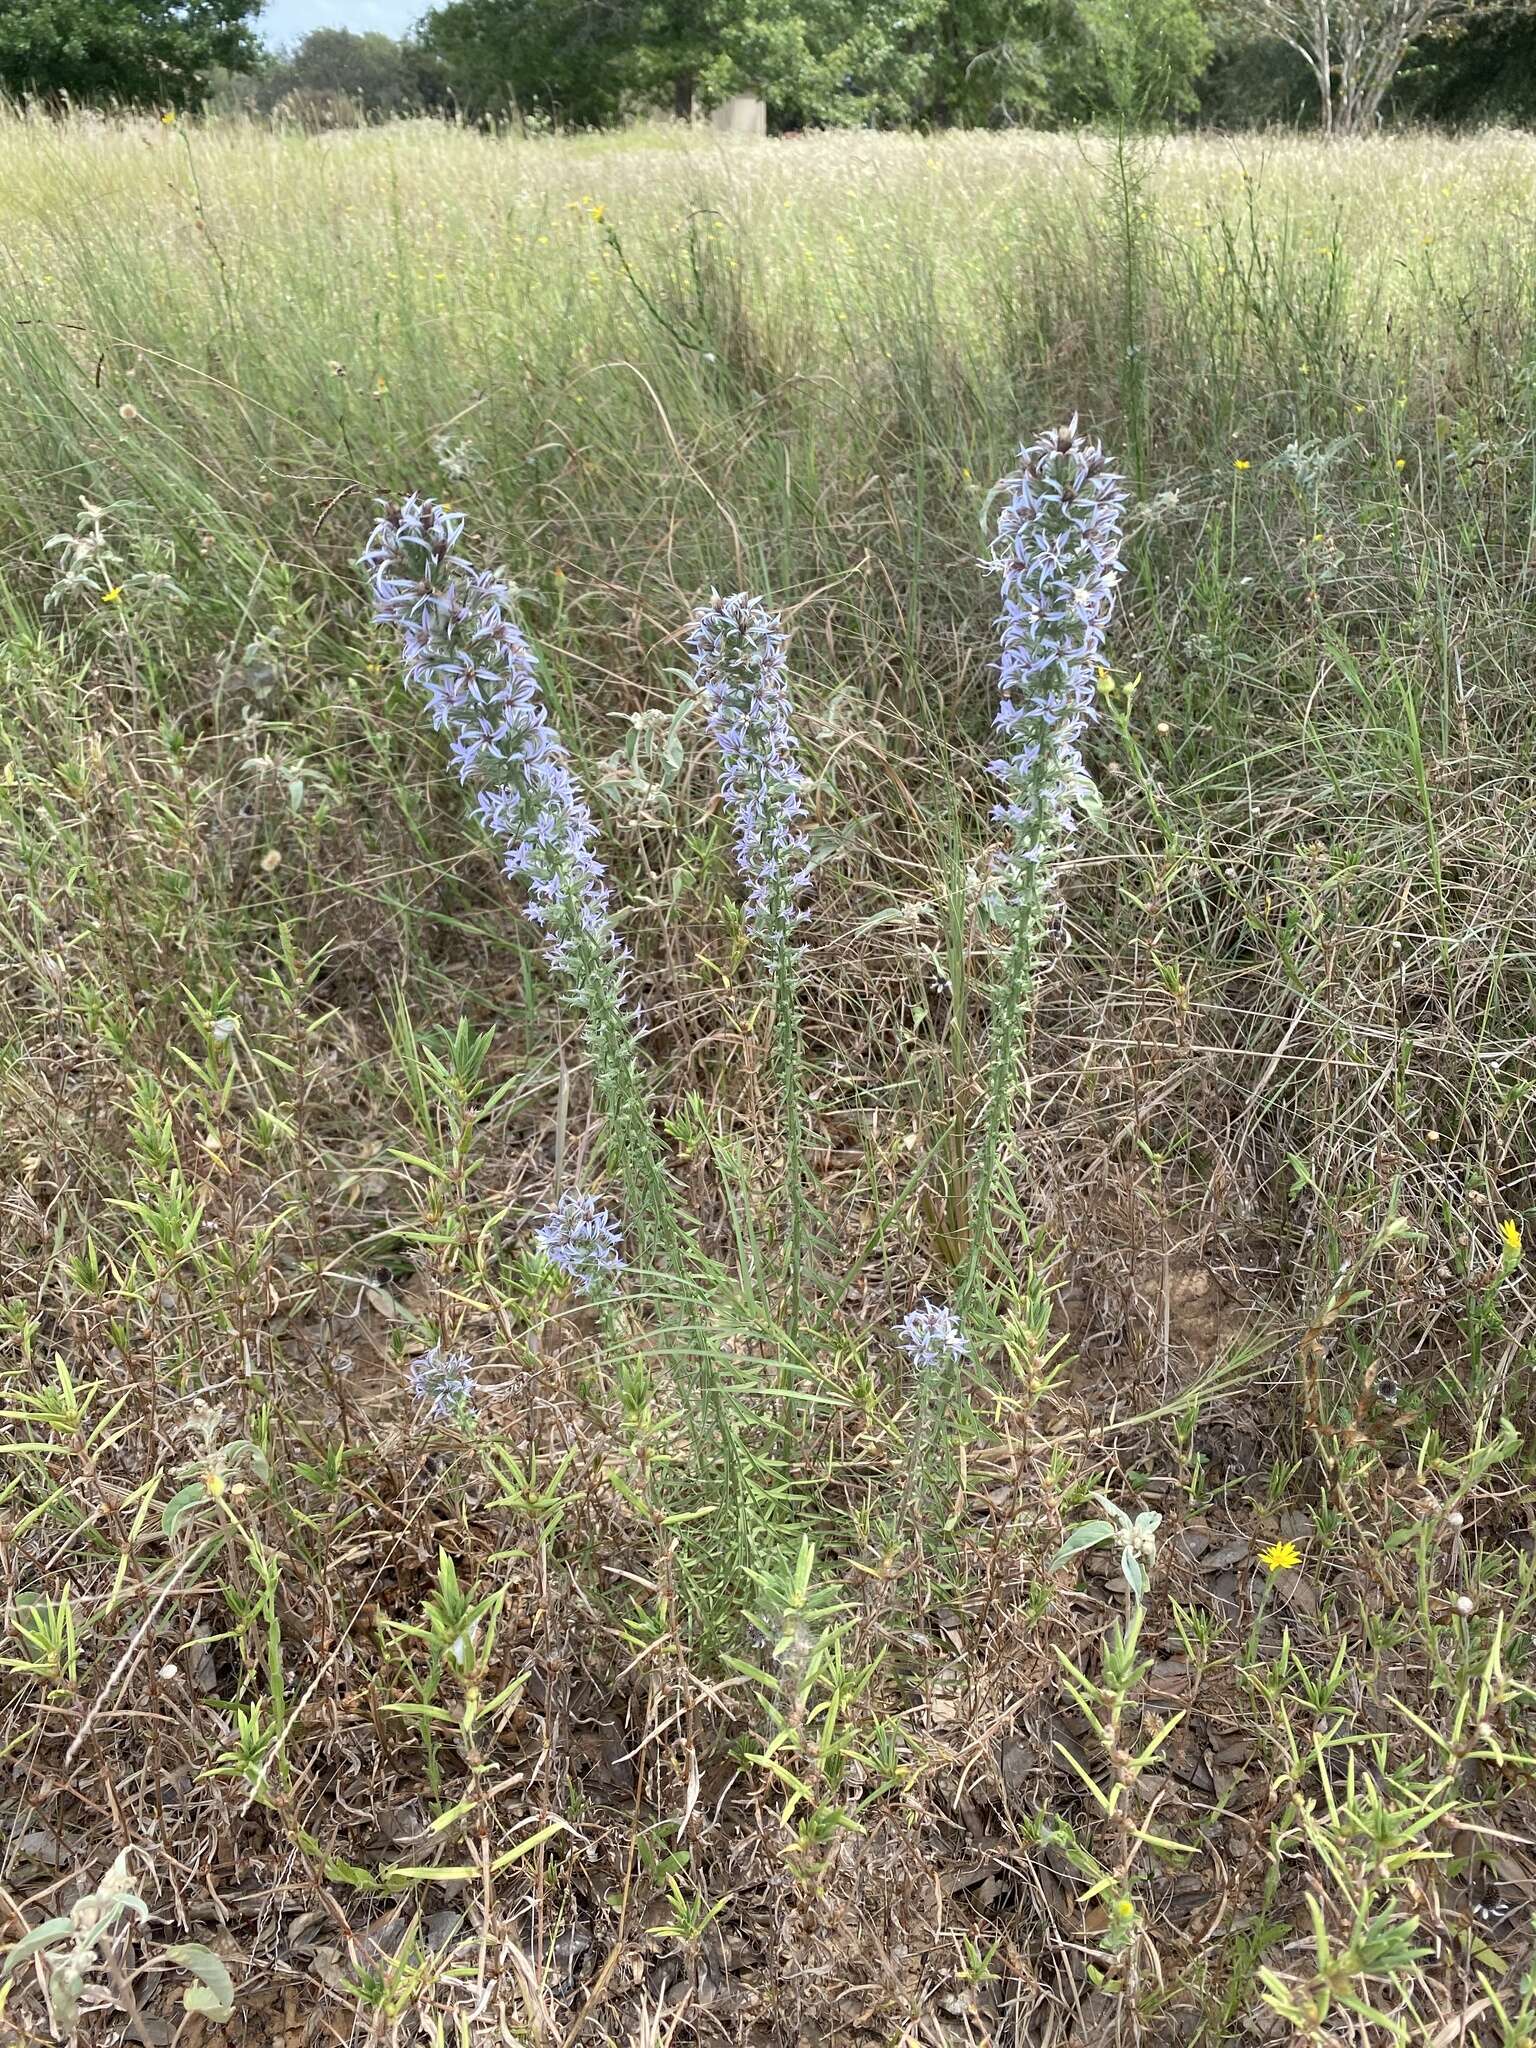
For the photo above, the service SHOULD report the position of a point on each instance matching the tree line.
(1342, 65)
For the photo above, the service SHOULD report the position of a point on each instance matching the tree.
(828, 63)
(1003, 61)
(367, 76)
(584, 62)
(1473, 68)
(127, 52)
(1353, 48)
(1146, 58)
(565, 60)
(368, 70)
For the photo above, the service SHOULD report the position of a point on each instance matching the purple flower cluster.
(738, 653)
(441, 1380)
(462, 647)
(932, 1338)
(1058, 552)
(583, 1241)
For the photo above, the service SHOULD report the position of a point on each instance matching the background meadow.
(535, 1725)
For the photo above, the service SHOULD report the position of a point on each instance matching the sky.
(284, 21)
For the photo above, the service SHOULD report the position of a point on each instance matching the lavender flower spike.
(441, 1380)
(1058, 552)
(462, 647)
(932, 1338)
(583, 1241)
(738, 653)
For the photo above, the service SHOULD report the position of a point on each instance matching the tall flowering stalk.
(740, 669)
(1057, 551)
(462, 647)
(937, 1349)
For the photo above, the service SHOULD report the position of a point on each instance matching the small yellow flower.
(213, 1485)
(113, 595)
(1401, 463)
(168, 119)
(1242, 463)
(1280, 1557)
(1509, 1236)
(1124, 1910)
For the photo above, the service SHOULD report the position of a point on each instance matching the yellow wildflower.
(113, 594)
(1242, 463)
(1509, 1235)
(167, 119)
(1280, 1557)
(213, 1485)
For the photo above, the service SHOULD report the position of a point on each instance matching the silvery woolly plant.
(462, 647)
(741, 672)
(1135, 1534)
(1057, 553)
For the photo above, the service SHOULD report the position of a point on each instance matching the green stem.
(1002, 1090)
(790, 1065)
(684, 1335)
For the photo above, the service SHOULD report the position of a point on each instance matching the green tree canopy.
(1003, 61)
(568, 60)
(585, 61)
(133, 52)
(371, 73)
(827, 61)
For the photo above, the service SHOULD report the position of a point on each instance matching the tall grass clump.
(740, 660)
